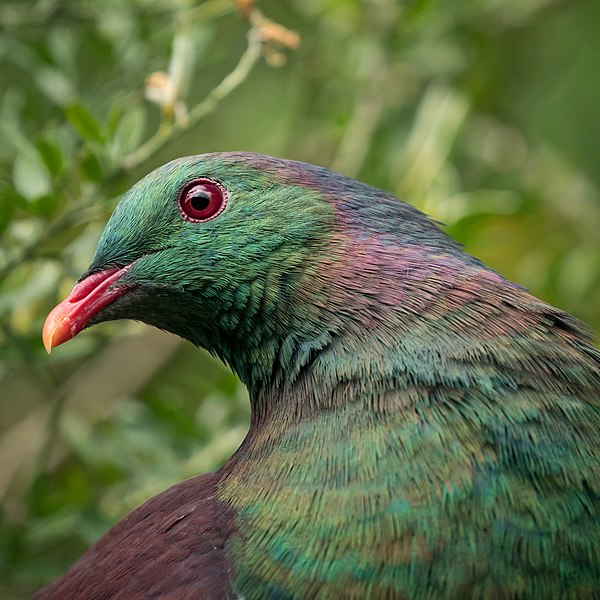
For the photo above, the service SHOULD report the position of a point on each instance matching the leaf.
(15, 139)
(45, 206)
(113, 120)
(91, 168)
(84, 122)
(31, 177)
(51, 155)
(55, 84)
(129, 131)
(6, 208)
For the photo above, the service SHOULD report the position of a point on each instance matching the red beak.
(86, 299)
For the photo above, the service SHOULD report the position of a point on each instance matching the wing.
(172, 547)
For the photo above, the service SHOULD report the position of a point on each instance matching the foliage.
(482, 114)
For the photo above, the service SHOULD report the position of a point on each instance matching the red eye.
(202, 200)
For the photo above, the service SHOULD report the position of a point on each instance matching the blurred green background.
(483, 114)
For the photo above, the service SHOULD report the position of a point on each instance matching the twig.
(168, 132)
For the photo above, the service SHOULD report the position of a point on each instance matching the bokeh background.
(486, 115)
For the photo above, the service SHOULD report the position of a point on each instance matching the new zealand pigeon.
(421, 427)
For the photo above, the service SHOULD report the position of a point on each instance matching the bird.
(421, 427)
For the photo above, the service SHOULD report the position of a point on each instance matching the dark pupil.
(200, 201)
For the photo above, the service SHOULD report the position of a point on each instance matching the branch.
(168, 132)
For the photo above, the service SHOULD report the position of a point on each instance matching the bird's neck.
(338, 333)
(322, 458)
(328, 446)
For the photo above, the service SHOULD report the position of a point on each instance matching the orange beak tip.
(88, 297)
(53, 324)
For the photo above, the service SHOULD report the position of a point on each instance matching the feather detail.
(421, 427)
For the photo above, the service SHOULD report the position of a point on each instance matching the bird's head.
(238, 253)
(196, 244)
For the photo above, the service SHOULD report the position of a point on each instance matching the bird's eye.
(202, 200)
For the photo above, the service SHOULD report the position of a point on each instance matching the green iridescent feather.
(421, 428)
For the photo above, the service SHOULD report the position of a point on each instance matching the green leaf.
(113, 120)
(6, 208)
(14, 138)
(31, 177)
(129, 131)
(51, 155)
(55, 84)
(45, 206)
(91, 168)
(84, 122)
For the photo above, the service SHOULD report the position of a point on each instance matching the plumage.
(421, 427)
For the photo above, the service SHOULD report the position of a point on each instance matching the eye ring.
(201, 200)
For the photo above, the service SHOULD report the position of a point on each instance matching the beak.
(86, 299)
